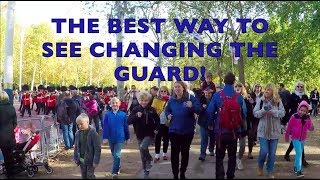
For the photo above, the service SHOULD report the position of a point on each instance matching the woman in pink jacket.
(298, 126)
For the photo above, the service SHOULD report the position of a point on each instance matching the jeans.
(314, 109)
(205, 135)
(100, 116)
(162, 135)
(68, 135)
(267, 147)
(298, 147)
(180, 143)
(144, 144)
(116, 154)
(229, 143)
(87, 172)
(242, 144)
(290, 149)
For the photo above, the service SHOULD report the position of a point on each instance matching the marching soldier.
(51, 103)
(26, 100)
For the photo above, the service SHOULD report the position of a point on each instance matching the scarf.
(269, 125)
(300, 94)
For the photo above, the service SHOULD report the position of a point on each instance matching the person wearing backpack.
(229, 108)
(269, 127)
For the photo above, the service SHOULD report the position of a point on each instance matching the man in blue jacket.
(225, 138)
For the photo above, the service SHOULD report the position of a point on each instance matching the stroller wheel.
(49, 170)
(35, 169)
(30, 173)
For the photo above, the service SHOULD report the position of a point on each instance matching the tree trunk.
(33, 75)
(241, 69)
(219, 71)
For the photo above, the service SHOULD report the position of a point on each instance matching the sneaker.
(212, 153)
(146, 175)
(250, 156)
(260, 172)
(299, 174)
(165, 157)
(271, 176)
(239, 164)
(114, 176)
(201, 158)
(149, 165)
(156, 158)
(286, 157)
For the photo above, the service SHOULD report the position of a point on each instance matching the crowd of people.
(227, 116)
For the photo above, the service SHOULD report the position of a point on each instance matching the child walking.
(87, 150)
(146, 124)
(116, 131)
(298, 126)
(159, 103)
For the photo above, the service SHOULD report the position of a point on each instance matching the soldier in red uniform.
(51, 103)
(42, 100)
(34, 100)
(26, 100)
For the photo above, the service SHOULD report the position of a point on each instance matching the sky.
(36, 12)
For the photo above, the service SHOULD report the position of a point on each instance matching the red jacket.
(26, 99)
(123, 106)
(51, 101)
(42, 97)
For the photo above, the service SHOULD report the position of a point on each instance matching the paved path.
(206, 169)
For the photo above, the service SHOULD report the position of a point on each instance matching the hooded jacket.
(146, 124)
(299, 125)
(183, 119)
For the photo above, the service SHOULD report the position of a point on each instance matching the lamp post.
(21, 50)
(8, 51)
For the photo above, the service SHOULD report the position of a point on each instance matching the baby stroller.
(23, 160)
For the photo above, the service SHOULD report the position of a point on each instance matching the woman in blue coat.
(180, 111)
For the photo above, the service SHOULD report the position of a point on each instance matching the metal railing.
(49, 131)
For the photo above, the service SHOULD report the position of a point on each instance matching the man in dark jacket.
(226, 139)
(8, 122)
(72, 110)
(314, 98)
(285, 98)
(205, 133)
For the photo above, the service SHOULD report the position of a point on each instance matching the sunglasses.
(163, 91)
(299, 86)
